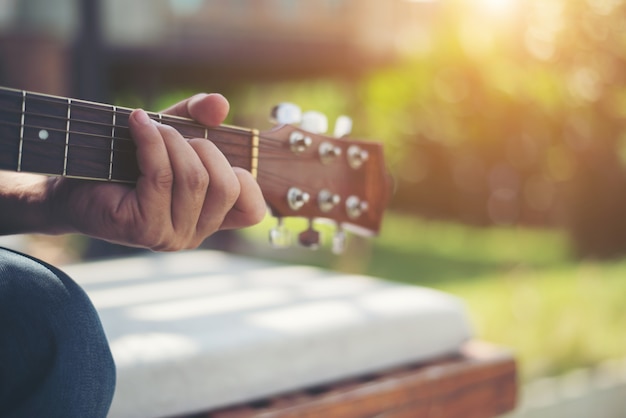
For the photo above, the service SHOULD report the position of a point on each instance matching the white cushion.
(197, 330)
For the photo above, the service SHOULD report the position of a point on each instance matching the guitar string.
(261, 169)
(119, 110)
(265, 156)
(123, 111)
(270, 141)
(170, 119)
(268, 152)
(262, 173)
(270, 181)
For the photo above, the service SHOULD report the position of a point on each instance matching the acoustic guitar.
(301, 173)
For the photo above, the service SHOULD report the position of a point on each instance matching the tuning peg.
(339, 241)
(310, 238)
(326, 200)
(357, 156)
(279, 236)
(286, 113)
(343, 126)
(314, 122)
(355, 207)
(296, 198)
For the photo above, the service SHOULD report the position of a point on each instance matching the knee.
(33, 294)
(26, 283)
(36, 295)
(50, 327)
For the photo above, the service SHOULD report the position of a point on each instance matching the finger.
(208, 109)
(250, 208)
(191, 180)
(223, 189)
(156, 177)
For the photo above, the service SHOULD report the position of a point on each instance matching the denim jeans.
(54, 356)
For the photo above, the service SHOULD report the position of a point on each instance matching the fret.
(124, 167)
(122, 131)
(67, 135)
(21, 146)
(232, 141)
(254, 153)
(90, 118)
(89, 154)
(235, 144)
(44, 136)
(113, 122)
(11, 114)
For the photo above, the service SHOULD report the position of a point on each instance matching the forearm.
(25, 204)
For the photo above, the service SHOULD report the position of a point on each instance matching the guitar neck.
(74, 138)
(300, 173)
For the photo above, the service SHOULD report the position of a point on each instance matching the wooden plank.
(479, 382)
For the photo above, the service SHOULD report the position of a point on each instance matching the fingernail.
(142, 117)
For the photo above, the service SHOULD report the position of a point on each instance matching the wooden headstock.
(314, 176)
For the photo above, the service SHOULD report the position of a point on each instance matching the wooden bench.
(478, 382)
(208, 334)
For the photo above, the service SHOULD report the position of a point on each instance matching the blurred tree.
(513, 118)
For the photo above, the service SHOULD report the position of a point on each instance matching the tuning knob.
(355, 207)
(326, 200)
(357, 156)
(314, 122)
(309, 238)
(296, 198)
(299, 143)
(339, 241)
(328, 152)
(279, 236)
(286, 113)
(343, 126)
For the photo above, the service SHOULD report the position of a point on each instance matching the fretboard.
(74, 138)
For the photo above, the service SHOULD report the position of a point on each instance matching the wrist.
(54, 204)
(27, 205)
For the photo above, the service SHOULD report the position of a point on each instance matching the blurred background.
(503, 125)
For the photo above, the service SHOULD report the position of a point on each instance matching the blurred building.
(88, 48)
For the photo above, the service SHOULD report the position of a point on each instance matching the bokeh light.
(498, 8)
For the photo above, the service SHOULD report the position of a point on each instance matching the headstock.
(307, 174)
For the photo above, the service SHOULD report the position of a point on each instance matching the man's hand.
(186, 190)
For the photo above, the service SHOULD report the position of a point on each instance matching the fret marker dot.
(43, 134)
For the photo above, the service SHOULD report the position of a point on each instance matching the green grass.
(522, 288)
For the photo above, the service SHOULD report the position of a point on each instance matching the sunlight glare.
(498, 7)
